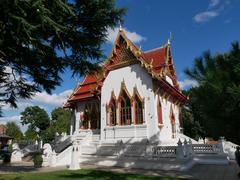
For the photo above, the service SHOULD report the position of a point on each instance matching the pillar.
(75, 156)
(179, 152)
(77, 120)
(72, 122)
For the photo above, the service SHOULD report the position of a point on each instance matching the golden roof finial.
(170, 38)
(120, 26)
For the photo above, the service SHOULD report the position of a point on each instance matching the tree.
(30, 134)
(14, 131)
(36, 118)
(217, 97)
(39, 39)
(60, 123)
(191, 125)
(61, 119)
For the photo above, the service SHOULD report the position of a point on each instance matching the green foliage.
(36, 118)
(61, 119)
(37, 160)
(215, 103)
(6, 157)
(60, 122)
(30, 134)
(14, 131)
(33, 31)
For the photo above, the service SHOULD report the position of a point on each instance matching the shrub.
(237, 154)
(6, 157)
(37, 160)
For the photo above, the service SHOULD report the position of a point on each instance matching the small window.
(112, 113)
(159, 111)
(138, 111)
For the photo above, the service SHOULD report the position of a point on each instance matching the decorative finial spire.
(120, 26)
(170, 37)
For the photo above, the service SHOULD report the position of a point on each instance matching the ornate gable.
(157, 62)
(122, 53)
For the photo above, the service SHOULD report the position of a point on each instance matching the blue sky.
(196, 26)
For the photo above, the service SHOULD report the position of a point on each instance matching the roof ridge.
(154, 49)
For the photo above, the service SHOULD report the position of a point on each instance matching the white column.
(77, 121)
(132, 115)
(72, 122)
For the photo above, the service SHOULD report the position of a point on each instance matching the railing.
(162, 151)
(206, 148)
(61, 145)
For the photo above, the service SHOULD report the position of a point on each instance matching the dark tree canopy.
(33, 31)
(216, 101)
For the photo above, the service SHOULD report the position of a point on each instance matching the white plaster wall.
(133, 75)
(166, 130)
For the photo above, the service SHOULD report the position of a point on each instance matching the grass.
(84, 174)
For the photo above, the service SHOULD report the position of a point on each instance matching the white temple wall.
(133, 76)
(166, 131)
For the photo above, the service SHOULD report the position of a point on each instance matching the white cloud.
(213, 3)
(187, 83)
(54, 99)
(133, 36)
(21, 106)
(42, 100)
(205, 16)
(16, 118)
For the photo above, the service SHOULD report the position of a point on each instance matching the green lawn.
(88, 174)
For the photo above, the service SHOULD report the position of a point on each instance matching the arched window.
(112, 109)
(173, 123)
(138, 104)
(138, 111)
(159, 112)
(125, 109)
(112, 113)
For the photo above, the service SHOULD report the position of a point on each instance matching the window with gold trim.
(138, 111)
(125, 109)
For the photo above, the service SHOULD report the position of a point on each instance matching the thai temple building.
(128, 114)
(134, 96)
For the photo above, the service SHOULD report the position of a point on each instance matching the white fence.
(183, 150)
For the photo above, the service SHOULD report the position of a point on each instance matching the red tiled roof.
(84, 90)
(155, 57)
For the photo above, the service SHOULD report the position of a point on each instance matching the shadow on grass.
(105, 175)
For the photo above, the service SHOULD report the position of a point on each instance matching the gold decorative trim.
(136, 93)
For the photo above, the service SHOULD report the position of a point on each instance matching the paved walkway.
(216, 172)
(201, 172)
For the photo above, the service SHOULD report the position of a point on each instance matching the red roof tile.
(83, 91)
(155, 56)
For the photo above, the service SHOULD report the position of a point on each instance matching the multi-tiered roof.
(158, 63)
